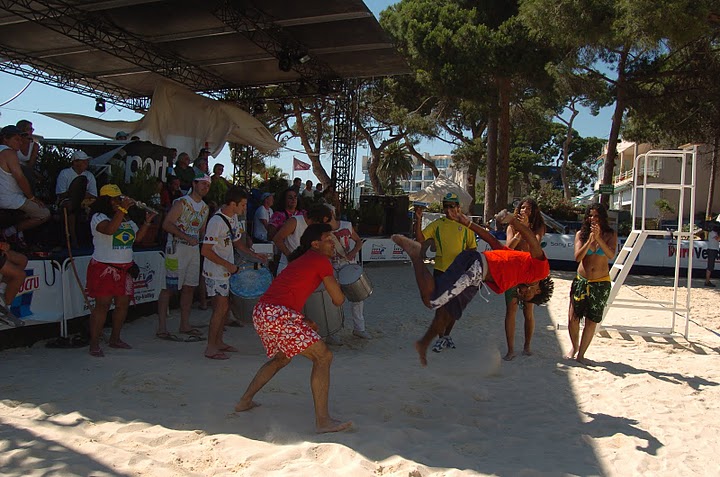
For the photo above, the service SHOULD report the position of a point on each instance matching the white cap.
(80, 156)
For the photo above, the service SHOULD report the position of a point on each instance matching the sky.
(39, 97)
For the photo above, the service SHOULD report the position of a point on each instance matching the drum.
(354, 283)
(250, 283)
(320, 309)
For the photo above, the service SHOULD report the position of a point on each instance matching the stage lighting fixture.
(284, 108)
(304, 58)
(100, 105)
(259, 107)
(285, 61)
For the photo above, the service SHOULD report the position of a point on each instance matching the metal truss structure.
(242, 158)
(344, 155)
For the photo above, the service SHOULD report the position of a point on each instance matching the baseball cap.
(11, 130)
(201, 177)
(110, 190)
(79, 156)
(451, 197)
(265, 196)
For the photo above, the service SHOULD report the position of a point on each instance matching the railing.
(625, 176)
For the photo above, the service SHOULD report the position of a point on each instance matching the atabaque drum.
(250, 282)
(320, 309)
(354, 283)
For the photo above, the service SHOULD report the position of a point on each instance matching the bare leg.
(510, 311)
(529, 315)
(587, 336)
(574, 332)
(425, 281)
(321, 357)
(437, 327)
(118, 318)
(264, 374)
(163, 304)
(97, 321)
(186, 299)
(14, 276)
(220, 306)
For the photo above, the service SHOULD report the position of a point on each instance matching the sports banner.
(40, 293)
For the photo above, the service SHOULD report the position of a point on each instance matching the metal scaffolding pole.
(344, 154)
(242, 159)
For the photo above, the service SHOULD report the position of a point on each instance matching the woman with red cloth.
(285, 332)
(107, 274)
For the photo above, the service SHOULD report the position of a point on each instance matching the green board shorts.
(589, 297)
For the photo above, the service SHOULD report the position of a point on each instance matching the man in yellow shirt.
(449, 238)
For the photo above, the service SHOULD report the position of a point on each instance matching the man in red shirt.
(499, 269)
(285, 332)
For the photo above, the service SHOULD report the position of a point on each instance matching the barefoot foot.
(411, 247)
(584, 361)
(332, 425)
(246, 406)
(422, 353)
(570, 355)
(527, 352)
(509, 356)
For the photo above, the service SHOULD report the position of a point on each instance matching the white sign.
(40, 293)
(382, 250)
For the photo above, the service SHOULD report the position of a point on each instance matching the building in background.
(422, 176)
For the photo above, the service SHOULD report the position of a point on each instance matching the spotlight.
(304, 58)
(284, 108)
(285, 61)
(100, 105)
(259, 107)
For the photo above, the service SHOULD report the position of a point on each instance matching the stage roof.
(121, 48)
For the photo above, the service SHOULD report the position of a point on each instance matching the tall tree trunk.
(313, 153)
(503, 164)
(620, 99)
(713, 175)
(470, 185)
(566, 153)
(491, 167)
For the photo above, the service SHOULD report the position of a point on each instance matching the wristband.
(123, 210)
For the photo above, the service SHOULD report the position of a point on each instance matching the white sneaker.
(362, 334)
(7, 317)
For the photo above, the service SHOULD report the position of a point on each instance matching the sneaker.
(449, 343)
(710, 284)
(439, 345)
(362, 334)
(7, 317)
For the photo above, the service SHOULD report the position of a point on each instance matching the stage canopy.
(119, 50)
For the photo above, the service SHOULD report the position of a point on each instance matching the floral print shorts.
(282, 329)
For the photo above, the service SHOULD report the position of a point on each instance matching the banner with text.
(40, 293)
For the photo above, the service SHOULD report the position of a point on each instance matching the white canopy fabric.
(184, 120)
(439, 188)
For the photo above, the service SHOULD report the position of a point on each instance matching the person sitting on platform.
(15, 190)
(261, 220)
(170, 192)
(76, 188)
(499, 269)
(285, 332)
(184, 172)
(28, 152)
(12, 272)
(121, 136)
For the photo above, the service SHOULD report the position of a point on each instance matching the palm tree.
(395, 164)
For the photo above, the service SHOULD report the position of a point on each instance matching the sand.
(647, 407)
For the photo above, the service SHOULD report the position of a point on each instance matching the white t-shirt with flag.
(115, 248)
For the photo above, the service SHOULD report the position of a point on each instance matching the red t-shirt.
(510, 268)
(292, 287)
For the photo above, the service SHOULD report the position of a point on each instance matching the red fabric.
(109, 280)
(292, 287)
(299, 165)
(509, 268)
(282, 329)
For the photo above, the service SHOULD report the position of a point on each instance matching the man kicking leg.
(499, 269)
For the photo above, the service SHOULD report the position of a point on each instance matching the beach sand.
(649, 406)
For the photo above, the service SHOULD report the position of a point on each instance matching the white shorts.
(183, 267)
(219, 287)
